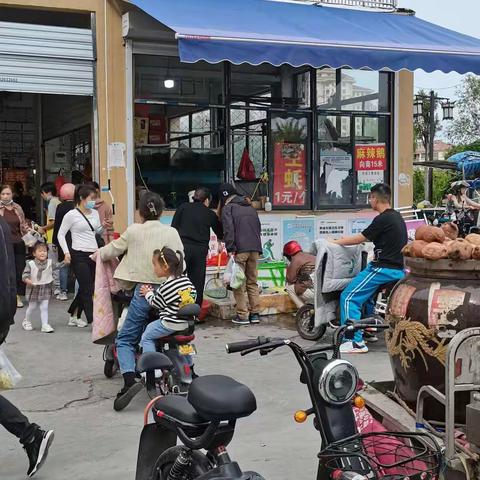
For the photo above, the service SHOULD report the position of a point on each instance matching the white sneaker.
(353, 347)
(46, 328)
(27, 325)
(57, 291)
(77, 322)
(62, 296)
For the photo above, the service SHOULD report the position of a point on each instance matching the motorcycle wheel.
(305, 323)
(254, 476)
(198, 466)
(109, 368)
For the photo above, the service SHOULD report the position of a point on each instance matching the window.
(180, 131)
(290, 166)
(356, 90)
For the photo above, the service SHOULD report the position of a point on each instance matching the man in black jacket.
(35, 441)
(193, 222)
(242, 237)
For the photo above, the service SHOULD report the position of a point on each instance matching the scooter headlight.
(338, 382)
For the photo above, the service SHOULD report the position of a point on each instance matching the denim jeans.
(130, 334)
(153, 331)
(64, 278)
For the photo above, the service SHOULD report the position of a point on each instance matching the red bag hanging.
(60, 181)
(246, 170)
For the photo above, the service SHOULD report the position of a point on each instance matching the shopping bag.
(246, 170)
(9, 376)
(227, 275)
(238, 276)
(31, 238)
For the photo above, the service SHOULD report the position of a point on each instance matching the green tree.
(464, 147)
(465, 128)
(441, 184)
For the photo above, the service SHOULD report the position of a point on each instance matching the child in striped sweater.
(172, 295)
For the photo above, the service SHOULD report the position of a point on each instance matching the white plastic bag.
(31, 238)
(227, 275)
(238, 276)
(9, 376)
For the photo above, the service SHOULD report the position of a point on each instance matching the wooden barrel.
(427, 308)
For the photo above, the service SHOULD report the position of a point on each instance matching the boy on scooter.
(299, 274)
(388, 233)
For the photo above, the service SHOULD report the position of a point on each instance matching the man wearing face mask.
(48, 192)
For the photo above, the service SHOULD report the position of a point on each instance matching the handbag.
(98, 237)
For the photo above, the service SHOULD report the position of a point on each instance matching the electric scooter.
(207, 417)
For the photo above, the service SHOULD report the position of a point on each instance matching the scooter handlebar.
(236, 347)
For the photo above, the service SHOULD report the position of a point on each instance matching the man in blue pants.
(388, 233)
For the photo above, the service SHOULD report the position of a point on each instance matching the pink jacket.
(104, 323)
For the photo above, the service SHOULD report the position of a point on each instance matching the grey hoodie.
(241, 226)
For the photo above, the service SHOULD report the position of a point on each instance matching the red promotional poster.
(289, 181)
(370, 157)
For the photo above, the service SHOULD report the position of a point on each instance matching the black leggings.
(84, 270)
(20, 256)
(15, 422)
(196, 260)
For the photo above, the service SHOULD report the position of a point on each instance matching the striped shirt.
(172, 295)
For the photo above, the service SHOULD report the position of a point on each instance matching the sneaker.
(27, 325)
(125, 396)
(77, 322)
(353, 347)
(19, 302)
(57, 291)
(46, 328)
(241, 321)
(370, 336)
(62, 296)
(254, 318)
(37, 450)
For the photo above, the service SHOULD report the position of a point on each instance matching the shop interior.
(195, 123)
(44, 137)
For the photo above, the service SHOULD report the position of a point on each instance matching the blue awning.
(258, 31)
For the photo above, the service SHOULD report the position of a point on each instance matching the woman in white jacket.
(137, 245)
(84, 224)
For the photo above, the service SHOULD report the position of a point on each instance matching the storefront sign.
(272, 240)
(331, 228)
(289, 183)
(368, 178)
(358, 225)
(300, 230)
(370, 157)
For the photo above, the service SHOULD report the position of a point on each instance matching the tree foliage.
(464, 147)
(465, 128)
(441, 184)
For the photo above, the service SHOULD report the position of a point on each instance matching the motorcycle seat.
(178, 407)
(221, 398)
(180, 339)
(149, 361)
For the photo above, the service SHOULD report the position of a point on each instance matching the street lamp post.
(447, 107)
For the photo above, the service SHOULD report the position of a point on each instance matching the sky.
(460, 15)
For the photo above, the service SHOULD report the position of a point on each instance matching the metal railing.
(378, 4)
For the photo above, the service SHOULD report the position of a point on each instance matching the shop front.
(317, 100)
(57, 65)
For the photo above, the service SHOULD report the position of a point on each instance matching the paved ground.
(64, 388)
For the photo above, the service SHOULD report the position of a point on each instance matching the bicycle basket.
(385, 455)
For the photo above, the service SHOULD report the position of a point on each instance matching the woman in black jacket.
(36, 442)
(193, 222)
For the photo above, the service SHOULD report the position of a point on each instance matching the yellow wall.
(404, 132)
(110, 85)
